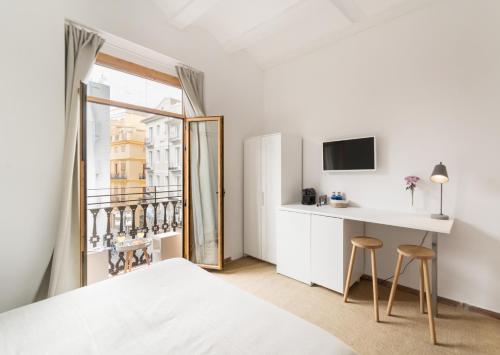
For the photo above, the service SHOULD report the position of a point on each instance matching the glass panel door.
(204, 193)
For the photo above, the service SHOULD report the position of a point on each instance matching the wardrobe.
(272, 176)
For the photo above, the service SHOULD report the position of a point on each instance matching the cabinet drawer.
(327, 252)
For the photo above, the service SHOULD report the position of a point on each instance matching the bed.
(172, 307)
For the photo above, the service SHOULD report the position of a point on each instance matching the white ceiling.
(274, 31)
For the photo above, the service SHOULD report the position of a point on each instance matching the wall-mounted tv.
(358, 154)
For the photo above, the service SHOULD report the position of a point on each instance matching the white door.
(271, 194)
(327, 244)
(293, 251)
(252, 197)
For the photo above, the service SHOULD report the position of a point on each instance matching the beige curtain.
(192, 83)
(203, 170)
(81, 49)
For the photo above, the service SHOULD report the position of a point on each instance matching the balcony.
(174, 167)
(135, 212)
(175, 138)
(149, 142)
(120, 176)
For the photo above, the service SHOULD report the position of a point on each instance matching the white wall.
(32, 106)
(428, 86)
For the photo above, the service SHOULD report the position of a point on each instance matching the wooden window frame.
(112, 62)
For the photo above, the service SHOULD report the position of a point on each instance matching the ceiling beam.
(263, 29)
(403, 9)
(191, 12)
(349, 9)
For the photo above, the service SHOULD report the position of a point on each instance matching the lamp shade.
(439, 174)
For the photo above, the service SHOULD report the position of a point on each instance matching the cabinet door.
(327, 252)
(252, 197)
(271, 194)
(293, 245)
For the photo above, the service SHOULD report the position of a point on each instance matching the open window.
(148, 174)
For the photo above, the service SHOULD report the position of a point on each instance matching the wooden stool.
(423, 254)
(129, 256)
(366, 243)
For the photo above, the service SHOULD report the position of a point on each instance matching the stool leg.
(146, 254)
(130, 253)
(375, 284)
(125, 265)
(422, 308)
(429, 303)
(349, 272)
(394, 284)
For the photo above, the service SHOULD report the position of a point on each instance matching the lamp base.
(439, 216)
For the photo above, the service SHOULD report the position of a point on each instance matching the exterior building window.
(165, 128)
(166, 155)
(150, 157)
(158, 158)
(122, 148)
(150, 133)
(157, 130)
(157, 180)
(166, 180)
(177, 155)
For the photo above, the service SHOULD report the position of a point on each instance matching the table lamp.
(440, 176)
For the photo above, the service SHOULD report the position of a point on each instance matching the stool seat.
(367, 242)
(416, 251)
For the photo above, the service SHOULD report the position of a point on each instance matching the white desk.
(397, 219)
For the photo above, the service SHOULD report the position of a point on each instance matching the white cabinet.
(315, 249)
(293, 255)
(272, 177)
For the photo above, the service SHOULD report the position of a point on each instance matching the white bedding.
(172, 307)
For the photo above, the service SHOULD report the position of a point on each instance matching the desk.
(397, 219)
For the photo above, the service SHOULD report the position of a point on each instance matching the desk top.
(398, 219)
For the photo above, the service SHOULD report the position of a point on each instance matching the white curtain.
(81, 49)
(203, 169)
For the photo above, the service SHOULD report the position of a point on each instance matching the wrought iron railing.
(131, 213)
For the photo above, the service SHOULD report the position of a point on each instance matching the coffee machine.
(308, 196)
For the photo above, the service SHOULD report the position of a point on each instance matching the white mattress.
(172, 307)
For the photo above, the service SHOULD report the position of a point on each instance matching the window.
(128, 108)
(178, 156)
(173, 131)
(136, 90)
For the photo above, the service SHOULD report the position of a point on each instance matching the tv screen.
(349, 154)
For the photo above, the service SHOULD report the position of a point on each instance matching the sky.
(133, 89)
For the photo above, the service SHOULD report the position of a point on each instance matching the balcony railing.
(119, 176)
(174, 166)
(134, 212)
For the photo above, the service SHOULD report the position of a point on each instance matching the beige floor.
(458, 331)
